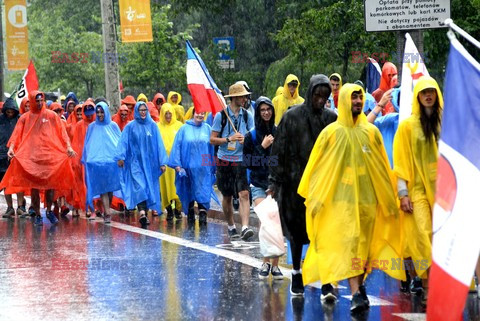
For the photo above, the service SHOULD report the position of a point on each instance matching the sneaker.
(51, 217)
(363, 292)
(296, 287)
(191, 215)
(178, 214)
(22, 212)
(64, 211)
(143, 220)
(38, 220)
(31, 211)
(9, 213)
(276, 273)
(357, 305)
(416, 285)
(233, 235)
(328, 295)
(264, 271)
(202, 217)
(98, 214)
(107, 219)
(246, 234)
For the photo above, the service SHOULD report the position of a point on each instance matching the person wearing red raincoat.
(79, 132)
(121, 117)
(39, 150)
(388, 72)
(24, 106)
(130, 102)
(158, 100)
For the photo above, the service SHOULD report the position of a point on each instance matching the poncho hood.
(345, 106)
(169, 98)
(316, 80)
(107, 119)
(138, 118)
(34, 108)
(424, 83)
(286, 92)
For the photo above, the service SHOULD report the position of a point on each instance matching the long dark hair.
(431, 124)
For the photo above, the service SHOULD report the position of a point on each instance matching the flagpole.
(451, 25)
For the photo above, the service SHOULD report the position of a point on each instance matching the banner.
(135, 21)
(413, 68)
(16, 34)
(456, 241)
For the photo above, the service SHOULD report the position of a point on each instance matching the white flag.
(413, 68)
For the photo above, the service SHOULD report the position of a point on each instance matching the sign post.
(226, 44)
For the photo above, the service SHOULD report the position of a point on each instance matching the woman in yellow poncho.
(415, 165)
(352, 215)
(175, 99)
(288, 98)
(169, 126)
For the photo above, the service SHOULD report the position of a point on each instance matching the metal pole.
(110, 56)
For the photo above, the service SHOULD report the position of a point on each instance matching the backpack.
(224, 123)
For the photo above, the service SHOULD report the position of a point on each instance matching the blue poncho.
(102, 173)
(141, 147)
(193, 152)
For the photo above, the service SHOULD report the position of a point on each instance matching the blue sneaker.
(38, 220)
(52, 218)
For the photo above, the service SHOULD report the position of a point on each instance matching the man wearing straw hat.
(228, 131)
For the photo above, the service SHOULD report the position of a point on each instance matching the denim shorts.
(257, 192)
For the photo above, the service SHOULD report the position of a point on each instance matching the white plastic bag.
(270, 234)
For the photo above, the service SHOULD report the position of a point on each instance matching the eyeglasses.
(142, 110)
(264, 111)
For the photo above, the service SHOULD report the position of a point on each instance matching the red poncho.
(116, 118)
(79, 131)
(40, 146)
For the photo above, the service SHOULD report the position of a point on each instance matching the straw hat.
(237, 90)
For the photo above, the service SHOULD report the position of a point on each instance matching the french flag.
(456, 217)
(205, 94)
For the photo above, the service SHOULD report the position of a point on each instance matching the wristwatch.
(227, 139)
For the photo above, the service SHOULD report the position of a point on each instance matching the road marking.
(239, 257)
(411, 316)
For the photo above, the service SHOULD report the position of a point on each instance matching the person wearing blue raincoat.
(142, 158)
(192, 158)
(102, 174)
(387, 124)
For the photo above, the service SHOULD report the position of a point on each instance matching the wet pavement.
(87, 270)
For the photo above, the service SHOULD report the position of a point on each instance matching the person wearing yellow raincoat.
(169, 126)
(142, 97)
(352, 218)
(279, 91)
(175, 99)
(289, 97)
(415, 157)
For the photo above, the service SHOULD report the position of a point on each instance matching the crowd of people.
(349, 179)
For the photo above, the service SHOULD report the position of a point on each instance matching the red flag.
(29, 83)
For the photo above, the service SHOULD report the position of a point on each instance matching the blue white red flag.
(456, 241)
(205, 94)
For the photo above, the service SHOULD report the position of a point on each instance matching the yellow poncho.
(178, 108)
(415, 161)
(168, 132)
(282, 102)
(352, 213)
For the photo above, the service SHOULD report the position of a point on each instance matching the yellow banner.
(16, 34)
(135, 20)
